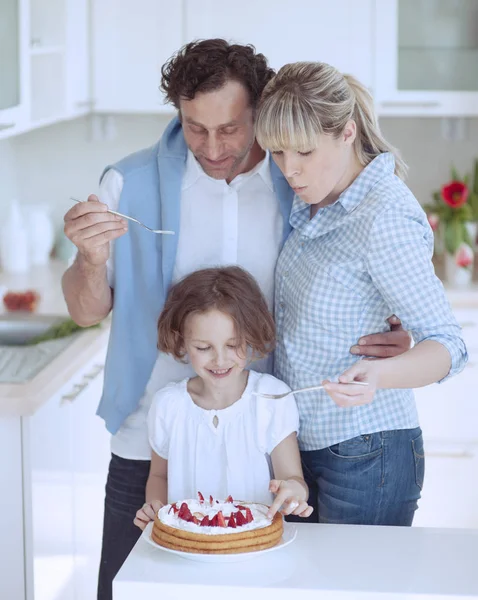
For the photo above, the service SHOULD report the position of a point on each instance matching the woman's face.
(321, 175)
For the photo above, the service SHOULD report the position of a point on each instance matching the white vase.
(457, 276)
(472, 229)
(41, 233)
(14, 241)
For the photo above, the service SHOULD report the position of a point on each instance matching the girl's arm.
(156, 491)
(288, 484)
(157, 484)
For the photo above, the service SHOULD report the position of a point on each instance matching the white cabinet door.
(12, 579)
(450, 490)
(339, 32)
(14, 66)
(77, 60)
(449, 411)
(49, 502)
(91, 454)
(426, 57)
(131, 41)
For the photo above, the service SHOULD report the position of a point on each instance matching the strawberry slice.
(205, 522)
(221, 521)
(232, 521)
(173, 508)
(229, 499)
(211, 500)
(213, 521)
(240, 518)
(201, 497)
(194, 520)
(240, 507)
(249, 517)
(184, 512)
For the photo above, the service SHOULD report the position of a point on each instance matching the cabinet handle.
(77, 388)
(4, 126)
(405, 104)
(85, 103)
(95, 371)
(450, 454)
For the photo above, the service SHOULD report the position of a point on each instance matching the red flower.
(455, 194)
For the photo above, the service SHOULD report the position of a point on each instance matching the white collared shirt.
(220, 224)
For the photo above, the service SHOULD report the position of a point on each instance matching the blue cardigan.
(144, 265)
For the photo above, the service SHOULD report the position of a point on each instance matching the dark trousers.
(125, 494)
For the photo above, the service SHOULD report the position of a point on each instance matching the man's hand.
(384, 345)
(90, 227)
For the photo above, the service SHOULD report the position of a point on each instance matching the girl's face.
(321, 175)
(212, 346)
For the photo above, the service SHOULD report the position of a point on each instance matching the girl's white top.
(232, 458)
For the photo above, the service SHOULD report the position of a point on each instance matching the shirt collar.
(381, 166)
(194, 171)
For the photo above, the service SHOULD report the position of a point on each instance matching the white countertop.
(337, 562)
(21, 399)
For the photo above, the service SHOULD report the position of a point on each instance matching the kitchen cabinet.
(12, 579)
(130, 43)
(339, 32)
(65, 462)
(448, 415)
(426, 57)
(450, 491)
(46, 78)
(14, 72)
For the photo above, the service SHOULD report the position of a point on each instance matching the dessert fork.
(114, 212)
(306, 389)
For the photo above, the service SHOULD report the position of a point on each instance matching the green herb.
(60, 330)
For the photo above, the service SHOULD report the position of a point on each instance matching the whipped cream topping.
(259, 512)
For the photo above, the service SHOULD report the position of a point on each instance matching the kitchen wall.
(48, 165)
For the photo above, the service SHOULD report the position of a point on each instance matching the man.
(227, 202)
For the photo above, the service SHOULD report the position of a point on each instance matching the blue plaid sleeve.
(399, 263)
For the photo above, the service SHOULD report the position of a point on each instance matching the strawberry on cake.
(216, 526)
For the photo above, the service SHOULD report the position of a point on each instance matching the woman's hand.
(147, 513)
(355, 395)
(291, 496)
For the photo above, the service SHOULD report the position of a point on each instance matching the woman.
(360, 250)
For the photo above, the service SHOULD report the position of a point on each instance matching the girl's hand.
(355, 395)
(290, 495)
(147, 513)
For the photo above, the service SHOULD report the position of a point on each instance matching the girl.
(211, 433)
(360, 250)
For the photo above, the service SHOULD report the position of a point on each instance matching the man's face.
(219, 130)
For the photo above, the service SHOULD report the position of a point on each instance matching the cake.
(216, 527)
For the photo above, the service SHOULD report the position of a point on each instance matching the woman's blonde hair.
(307, 99)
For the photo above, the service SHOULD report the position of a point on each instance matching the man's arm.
(87, 293)
(384, 345)
(85, 285)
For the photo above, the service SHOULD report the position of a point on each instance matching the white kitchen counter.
(337, 562)
(22, 399)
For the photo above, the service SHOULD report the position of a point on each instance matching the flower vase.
(459, 267)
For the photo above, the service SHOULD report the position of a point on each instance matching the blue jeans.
(372, 479)
(125, 494)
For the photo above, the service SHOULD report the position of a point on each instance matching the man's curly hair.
(206, 65)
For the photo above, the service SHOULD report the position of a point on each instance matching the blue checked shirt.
(340, 276)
